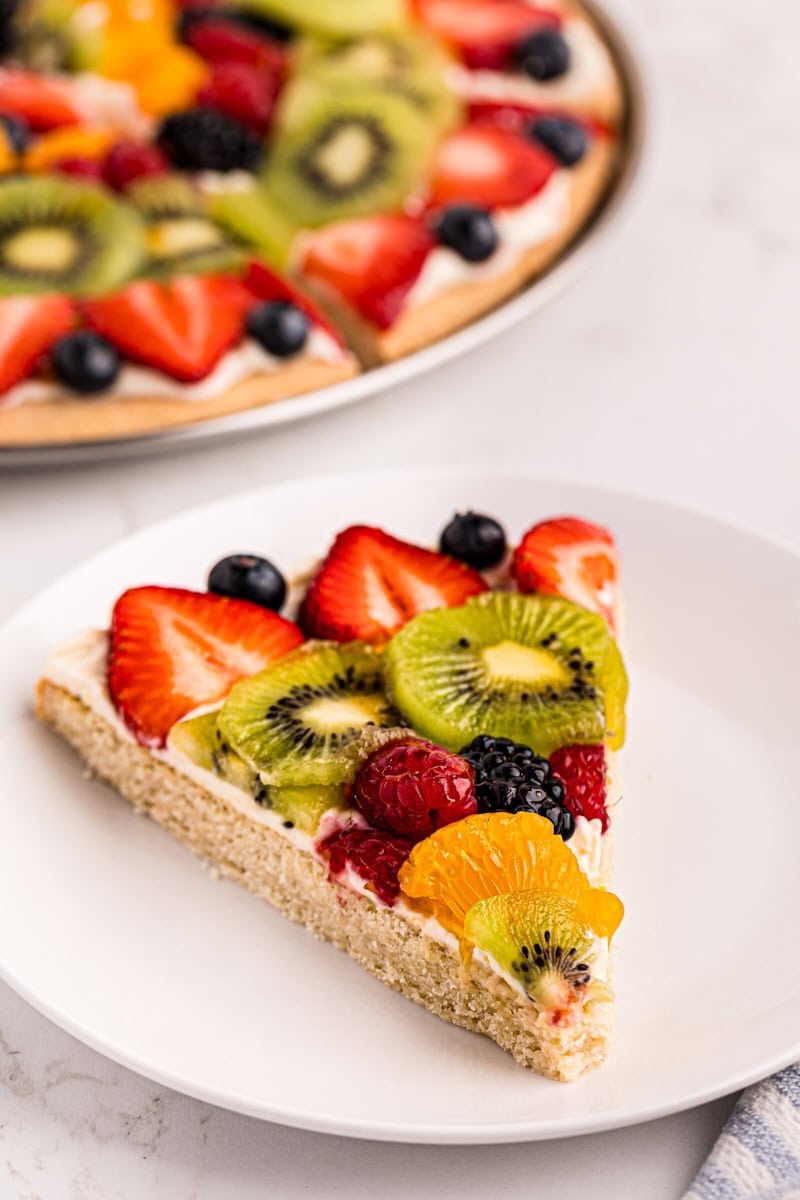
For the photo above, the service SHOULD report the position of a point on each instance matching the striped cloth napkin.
(757, 1155)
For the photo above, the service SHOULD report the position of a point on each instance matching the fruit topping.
(251, 217)
(71, 141)
(86, 362)
(15, 133)
(375, 856)
(536, 669)
(244, 93)
(29, 326)
(475, 538)
(204, 139)
(295, 721)
(468, 230)
(582, 770)
(346, 152)
(370, 584)
(492, 854)
(127, 161)
(488, 166)
(485, 32)
(344, 18)
(217, 39)
(180, 235)
(279, 326)
(570, 557)
(509, 777)
(248, 577)
(538, 937)
(567, 140)
(173, 650)
(264, 284)
(371, 262)
(59, 234)
(40, 102)
(182, 327)
(80, 168)
(544, 55)
(412, 787)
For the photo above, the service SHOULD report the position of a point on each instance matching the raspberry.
(247, 94)
(83, 168)
(582, 770)
(413, 788)
(374, 855)
(131, 160)
(218, 41)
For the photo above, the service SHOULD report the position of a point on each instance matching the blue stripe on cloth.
(757, 1155)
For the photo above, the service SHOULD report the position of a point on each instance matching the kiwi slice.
(252, 219)
(339, 18)
(538, 939)
(347, 154)
(536, 669)
(294, 721)
(199, 739)
(411, 65)
(57, 235)
(180, 234)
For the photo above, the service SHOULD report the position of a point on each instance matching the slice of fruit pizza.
(419, 767)
(176, 181)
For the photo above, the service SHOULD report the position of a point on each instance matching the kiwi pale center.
(182, 235)
(509, 660)
(50, 248)
(347, 156)
(331, 713)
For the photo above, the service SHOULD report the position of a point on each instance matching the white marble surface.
(672, 368)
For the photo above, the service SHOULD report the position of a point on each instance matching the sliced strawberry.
(370, 584)
(480, 164)
(264, 284)
(243, 92)
(42, 103)
(484, 32)
(219, 41)
(173, 650)
(182, 327)
(572, 558)
(371, 262)
(29, 325)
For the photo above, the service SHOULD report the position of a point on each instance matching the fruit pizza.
(409, 751)
(209, 205)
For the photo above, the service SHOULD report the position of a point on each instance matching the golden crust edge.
(293, 881)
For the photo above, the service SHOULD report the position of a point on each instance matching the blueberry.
(565, 139)
(468, 230)
(248, 577)
(86, 362)
(280, 327)
(544, 55)
(475, 539)
(17, 132)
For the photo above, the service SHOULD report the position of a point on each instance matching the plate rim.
(564, 271)
(407, 1132)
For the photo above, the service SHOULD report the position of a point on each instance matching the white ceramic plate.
(119, 935)
(536, 295)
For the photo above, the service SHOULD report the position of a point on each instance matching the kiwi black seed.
(294, 721)
(60, 235)
(180, 234)
(536, 669)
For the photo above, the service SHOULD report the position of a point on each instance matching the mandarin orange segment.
(71, 141)
(492, 854)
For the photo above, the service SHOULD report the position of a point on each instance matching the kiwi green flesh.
(60, 235)
(252, 220)
(535, 937)
(198, 738)
(347, 154)
(532, 668)
(180, 234)
(337, 18)
(294, 721)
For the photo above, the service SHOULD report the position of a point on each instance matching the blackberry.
(509, 777)
(8, 29)
(203, 139)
